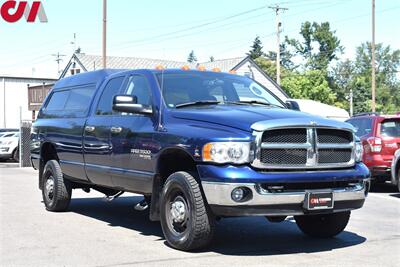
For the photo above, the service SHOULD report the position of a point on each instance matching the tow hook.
(113, 197)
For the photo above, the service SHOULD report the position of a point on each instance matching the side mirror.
(128, 104)
(293, 105)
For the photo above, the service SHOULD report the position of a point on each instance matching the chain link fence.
(25, 144)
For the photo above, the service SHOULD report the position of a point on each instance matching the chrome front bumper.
(219, 194)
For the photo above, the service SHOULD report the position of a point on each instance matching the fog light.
(238, 194)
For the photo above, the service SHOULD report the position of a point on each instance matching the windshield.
(390, 128)
(181, 88)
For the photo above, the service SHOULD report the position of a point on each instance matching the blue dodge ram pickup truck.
(199, 146)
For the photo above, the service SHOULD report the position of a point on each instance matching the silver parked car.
(396, 169)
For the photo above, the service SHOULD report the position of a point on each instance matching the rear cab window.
(68, 102)
(390, 128)
(363, 126)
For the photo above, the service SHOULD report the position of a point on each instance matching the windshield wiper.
(197, 103)
(251, 102)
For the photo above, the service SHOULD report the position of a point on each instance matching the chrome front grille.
(304, 148)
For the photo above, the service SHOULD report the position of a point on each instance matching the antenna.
(58, 57)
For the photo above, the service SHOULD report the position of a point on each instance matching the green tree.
(256, 49)
(356, 75)
(341, 81)
(267, 65)
(212, 59)
(192, 57)
(286, 57)
(311, 84)
(319, 46)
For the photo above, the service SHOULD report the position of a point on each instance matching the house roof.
(224, 64)
(92, 62)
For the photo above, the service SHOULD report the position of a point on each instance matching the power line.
(224, 27)
(202, 25)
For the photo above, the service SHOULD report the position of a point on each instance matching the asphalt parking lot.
(96, 233)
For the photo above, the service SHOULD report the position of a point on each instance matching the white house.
(13, 95)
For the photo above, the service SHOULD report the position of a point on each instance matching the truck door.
(132, 141)
(97, 143)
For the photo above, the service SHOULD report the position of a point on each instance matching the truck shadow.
(247, 236)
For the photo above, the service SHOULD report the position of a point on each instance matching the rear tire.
(186, 221)
(323, 225)
(56, 190)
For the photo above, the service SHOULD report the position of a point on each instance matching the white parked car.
(320, 109)
(9, 142)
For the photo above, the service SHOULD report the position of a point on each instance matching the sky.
(171, 29)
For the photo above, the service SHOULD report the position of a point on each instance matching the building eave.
(27, 78)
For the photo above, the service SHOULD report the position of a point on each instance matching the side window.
(79, 99)
(57, 101)
(138, 86)
(105, 103)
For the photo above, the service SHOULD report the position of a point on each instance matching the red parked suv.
(380, 135)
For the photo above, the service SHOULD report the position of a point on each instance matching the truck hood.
(249, 118)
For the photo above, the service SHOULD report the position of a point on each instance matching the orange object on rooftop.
(216, 70)
(160, 67)
(201, 68)
(186, 67)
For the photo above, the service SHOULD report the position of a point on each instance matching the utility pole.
(278, 42)
(104, 34)
(373, 83)
(351, 96)
(58, 57)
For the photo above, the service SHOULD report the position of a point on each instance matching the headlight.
(227, 152)
(5, 143)
(358, 152)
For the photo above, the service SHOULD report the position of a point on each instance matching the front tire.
(398, 179)
(15, 155)
(323, 225)
(186, 221)
(56, 190)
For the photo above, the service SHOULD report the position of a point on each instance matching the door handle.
(116, 130)
(90, 129)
